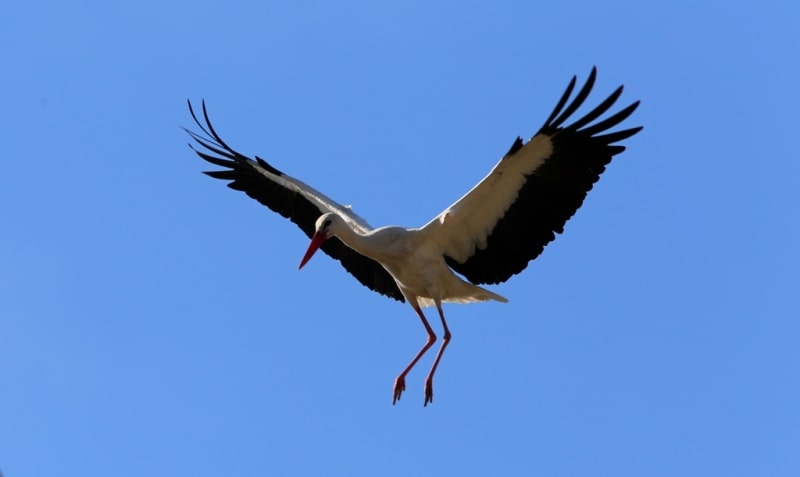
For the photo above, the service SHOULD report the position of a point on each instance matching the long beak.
(316, 242)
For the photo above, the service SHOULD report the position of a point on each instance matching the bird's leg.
(445, 340)
(400, 382)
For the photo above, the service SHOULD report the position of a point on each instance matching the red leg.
(400, 382)
(445, 340)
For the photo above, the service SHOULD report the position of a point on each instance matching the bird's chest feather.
(420, 270)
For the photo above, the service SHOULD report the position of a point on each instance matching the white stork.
(488, 235)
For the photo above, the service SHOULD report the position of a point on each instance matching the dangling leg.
(445, 340)
(400, 382)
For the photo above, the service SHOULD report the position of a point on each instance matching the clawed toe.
(399, 387)
(428, 391)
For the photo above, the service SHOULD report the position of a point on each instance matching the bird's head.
(323, 230)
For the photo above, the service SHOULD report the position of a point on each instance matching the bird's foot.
(428, 390)
(399, 387)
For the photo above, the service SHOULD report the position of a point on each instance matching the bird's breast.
(422, 271)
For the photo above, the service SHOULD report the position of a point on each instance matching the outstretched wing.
(292, 199)
(507, 219)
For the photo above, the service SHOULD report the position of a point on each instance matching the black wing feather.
(554, 191)
(288, 203)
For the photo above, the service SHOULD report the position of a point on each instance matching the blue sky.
(153, 322)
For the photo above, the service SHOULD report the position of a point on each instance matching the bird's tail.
(479, 294)
(470, 293)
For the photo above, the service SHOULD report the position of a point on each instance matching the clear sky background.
(153, 322)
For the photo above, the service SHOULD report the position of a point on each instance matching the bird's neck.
(364, 244)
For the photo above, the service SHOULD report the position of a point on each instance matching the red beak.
(316, 242)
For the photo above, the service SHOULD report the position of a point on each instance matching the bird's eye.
(326, 224)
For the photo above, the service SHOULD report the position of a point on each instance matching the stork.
(486, 236)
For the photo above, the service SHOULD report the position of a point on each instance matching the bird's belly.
(423, 278)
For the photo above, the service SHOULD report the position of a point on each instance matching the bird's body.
(487, 236)
(415, 260)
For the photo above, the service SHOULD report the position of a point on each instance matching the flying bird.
(485, 237)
